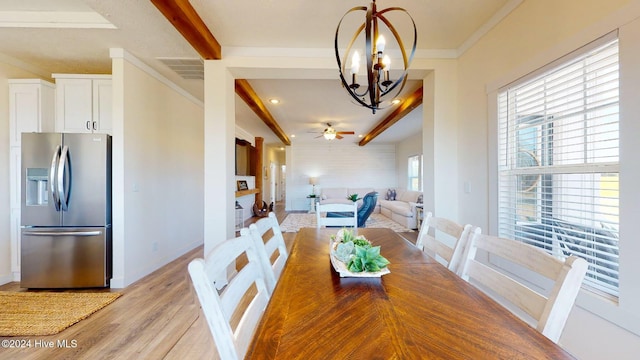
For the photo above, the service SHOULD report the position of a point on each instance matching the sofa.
(339, 195)
(400, 206)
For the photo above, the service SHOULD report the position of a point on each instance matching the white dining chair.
(267, 236)
(348, 218)
(445, 240)
(218, 308)
(547, 309)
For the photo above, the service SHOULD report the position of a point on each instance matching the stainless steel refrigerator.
(66, 210)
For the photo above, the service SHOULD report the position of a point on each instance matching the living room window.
(414, 173)
(558, 165)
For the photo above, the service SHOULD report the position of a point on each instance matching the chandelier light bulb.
(386, 61)
(355, 63)
(380, 44)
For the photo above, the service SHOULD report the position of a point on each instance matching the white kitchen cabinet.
(31, 107)
(83, 103)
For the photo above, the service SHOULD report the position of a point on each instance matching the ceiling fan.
(330, 133)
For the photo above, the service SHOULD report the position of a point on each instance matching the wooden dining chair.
(350, 220)
(548, 309)
(267, 236)
(445, 240)
(246, 287)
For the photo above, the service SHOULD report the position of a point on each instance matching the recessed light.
(274, 101)
(396, 101)
(360, 135)
(293, 135)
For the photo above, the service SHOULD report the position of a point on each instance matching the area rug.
(46, 313)
(293, 222)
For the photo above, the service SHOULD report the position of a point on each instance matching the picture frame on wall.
(242, 185)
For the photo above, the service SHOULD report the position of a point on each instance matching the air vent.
(187, 68)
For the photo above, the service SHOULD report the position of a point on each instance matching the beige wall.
(6, 72)
(536, 33)
(158, 172)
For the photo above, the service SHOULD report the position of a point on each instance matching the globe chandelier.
(379, 87)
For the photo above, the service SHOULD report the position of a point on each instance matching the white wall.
(536, 33)
(158, 172)
(337, 164)
(6, 72)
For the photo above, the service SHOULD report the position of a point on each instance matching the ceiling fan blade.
(346, 132)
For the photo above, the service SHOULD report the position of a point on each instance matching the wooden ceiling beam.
(186, 20)
(245, 91)
(414, 100)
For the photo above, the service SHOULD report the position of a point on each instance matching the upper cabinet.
(31, 107)
(83, 103)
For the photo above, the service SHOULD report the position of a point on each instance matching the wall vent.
(190, 69)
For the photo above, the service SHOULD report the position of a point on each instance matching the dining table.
(419, 310)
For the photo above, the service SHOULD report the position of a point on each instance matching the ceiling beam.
(414, 100)
(245, 91)
(186, 20)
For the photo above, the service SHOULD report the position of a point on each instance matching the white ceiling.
(260, 26)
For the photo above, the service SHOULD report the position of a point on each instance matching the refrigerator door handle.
(63, 233)
(52, 178)
(63, 187)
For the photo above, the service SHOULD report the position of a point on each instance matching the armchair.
(364, 211)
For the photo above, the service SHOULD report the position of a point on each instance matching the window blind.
(558, 161)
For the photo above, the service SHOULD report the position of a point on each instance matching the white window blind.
(558, 161)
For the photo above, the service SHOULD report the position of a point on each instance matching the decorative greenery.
(357, 252)
(353, 197)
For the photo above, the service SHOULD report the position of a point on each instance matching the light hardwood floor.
(158, 317)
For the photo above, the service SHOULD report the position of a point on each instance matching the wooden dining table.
(420, 310)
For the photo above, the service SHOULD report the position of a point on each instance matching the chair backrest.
(219, 308)
(445, 240)
(267, 236)
(549, 311)
(350, 221)
(368, 205)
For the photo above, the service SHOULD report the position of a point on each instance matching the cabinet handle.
(95, 125)
(88, 125)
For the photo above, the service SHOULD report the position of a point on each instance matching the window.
(414, 173)
(558, 160)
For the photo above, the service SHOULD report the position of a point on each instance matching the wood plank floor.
(158, 317)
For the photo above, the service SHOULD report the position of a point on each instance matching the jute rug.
(293, 222)
(46, 313)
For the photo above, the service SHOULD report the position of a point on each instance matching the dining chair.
(267, 236)
(445, 240)
(548, 308)
(246, 287)
(346, 221)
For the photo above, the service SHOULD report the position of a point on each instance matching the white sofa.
(402, 209)
(339, 195)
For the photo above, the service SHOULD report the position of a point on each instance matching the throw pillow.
(393, 195)
(419, 199)
(387, 196)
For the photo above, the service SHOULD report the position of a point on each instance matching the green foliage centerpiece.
(353, 255)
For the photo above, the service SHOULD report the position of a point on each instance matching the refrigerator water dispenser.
(37, 189)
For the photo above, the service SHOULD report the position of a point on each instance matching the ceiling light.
(378, 64)
(293, 135)
(274, 101)
(329, 133)
(396, 101)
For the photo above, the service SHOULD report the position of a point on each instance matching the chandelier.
(378, 64)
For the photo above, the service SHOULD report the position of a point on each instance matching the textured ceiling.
(242, 26)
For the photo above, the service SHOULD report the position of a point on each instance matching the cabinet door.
(74, 110)
(102, 106)
(31, 108)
